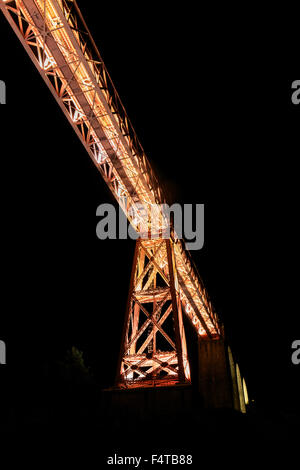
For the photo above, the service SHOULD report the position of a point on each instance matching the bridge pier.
(219, 378)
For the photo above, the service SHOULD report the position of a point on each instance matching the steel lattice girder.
(56, 38)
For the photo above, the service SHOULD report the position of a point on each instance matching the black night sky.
(220, 129)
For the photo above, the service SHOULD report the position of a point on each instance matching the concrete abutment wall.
(220, 381)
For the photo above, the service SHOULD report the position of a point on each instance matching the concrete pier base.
(150, 402)
(217, 387)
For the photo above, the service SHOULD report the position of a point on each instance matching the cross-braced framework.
(56, 38)
(153, 351)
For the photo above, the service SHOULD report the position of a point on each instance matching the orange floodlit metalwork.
(153, 349)
(55, 36)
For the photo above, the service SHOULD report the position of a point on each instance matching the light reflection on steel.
(55, 36)
(153, 349)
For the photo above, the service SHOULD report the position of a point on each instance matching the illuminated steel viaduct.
(164, 281)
